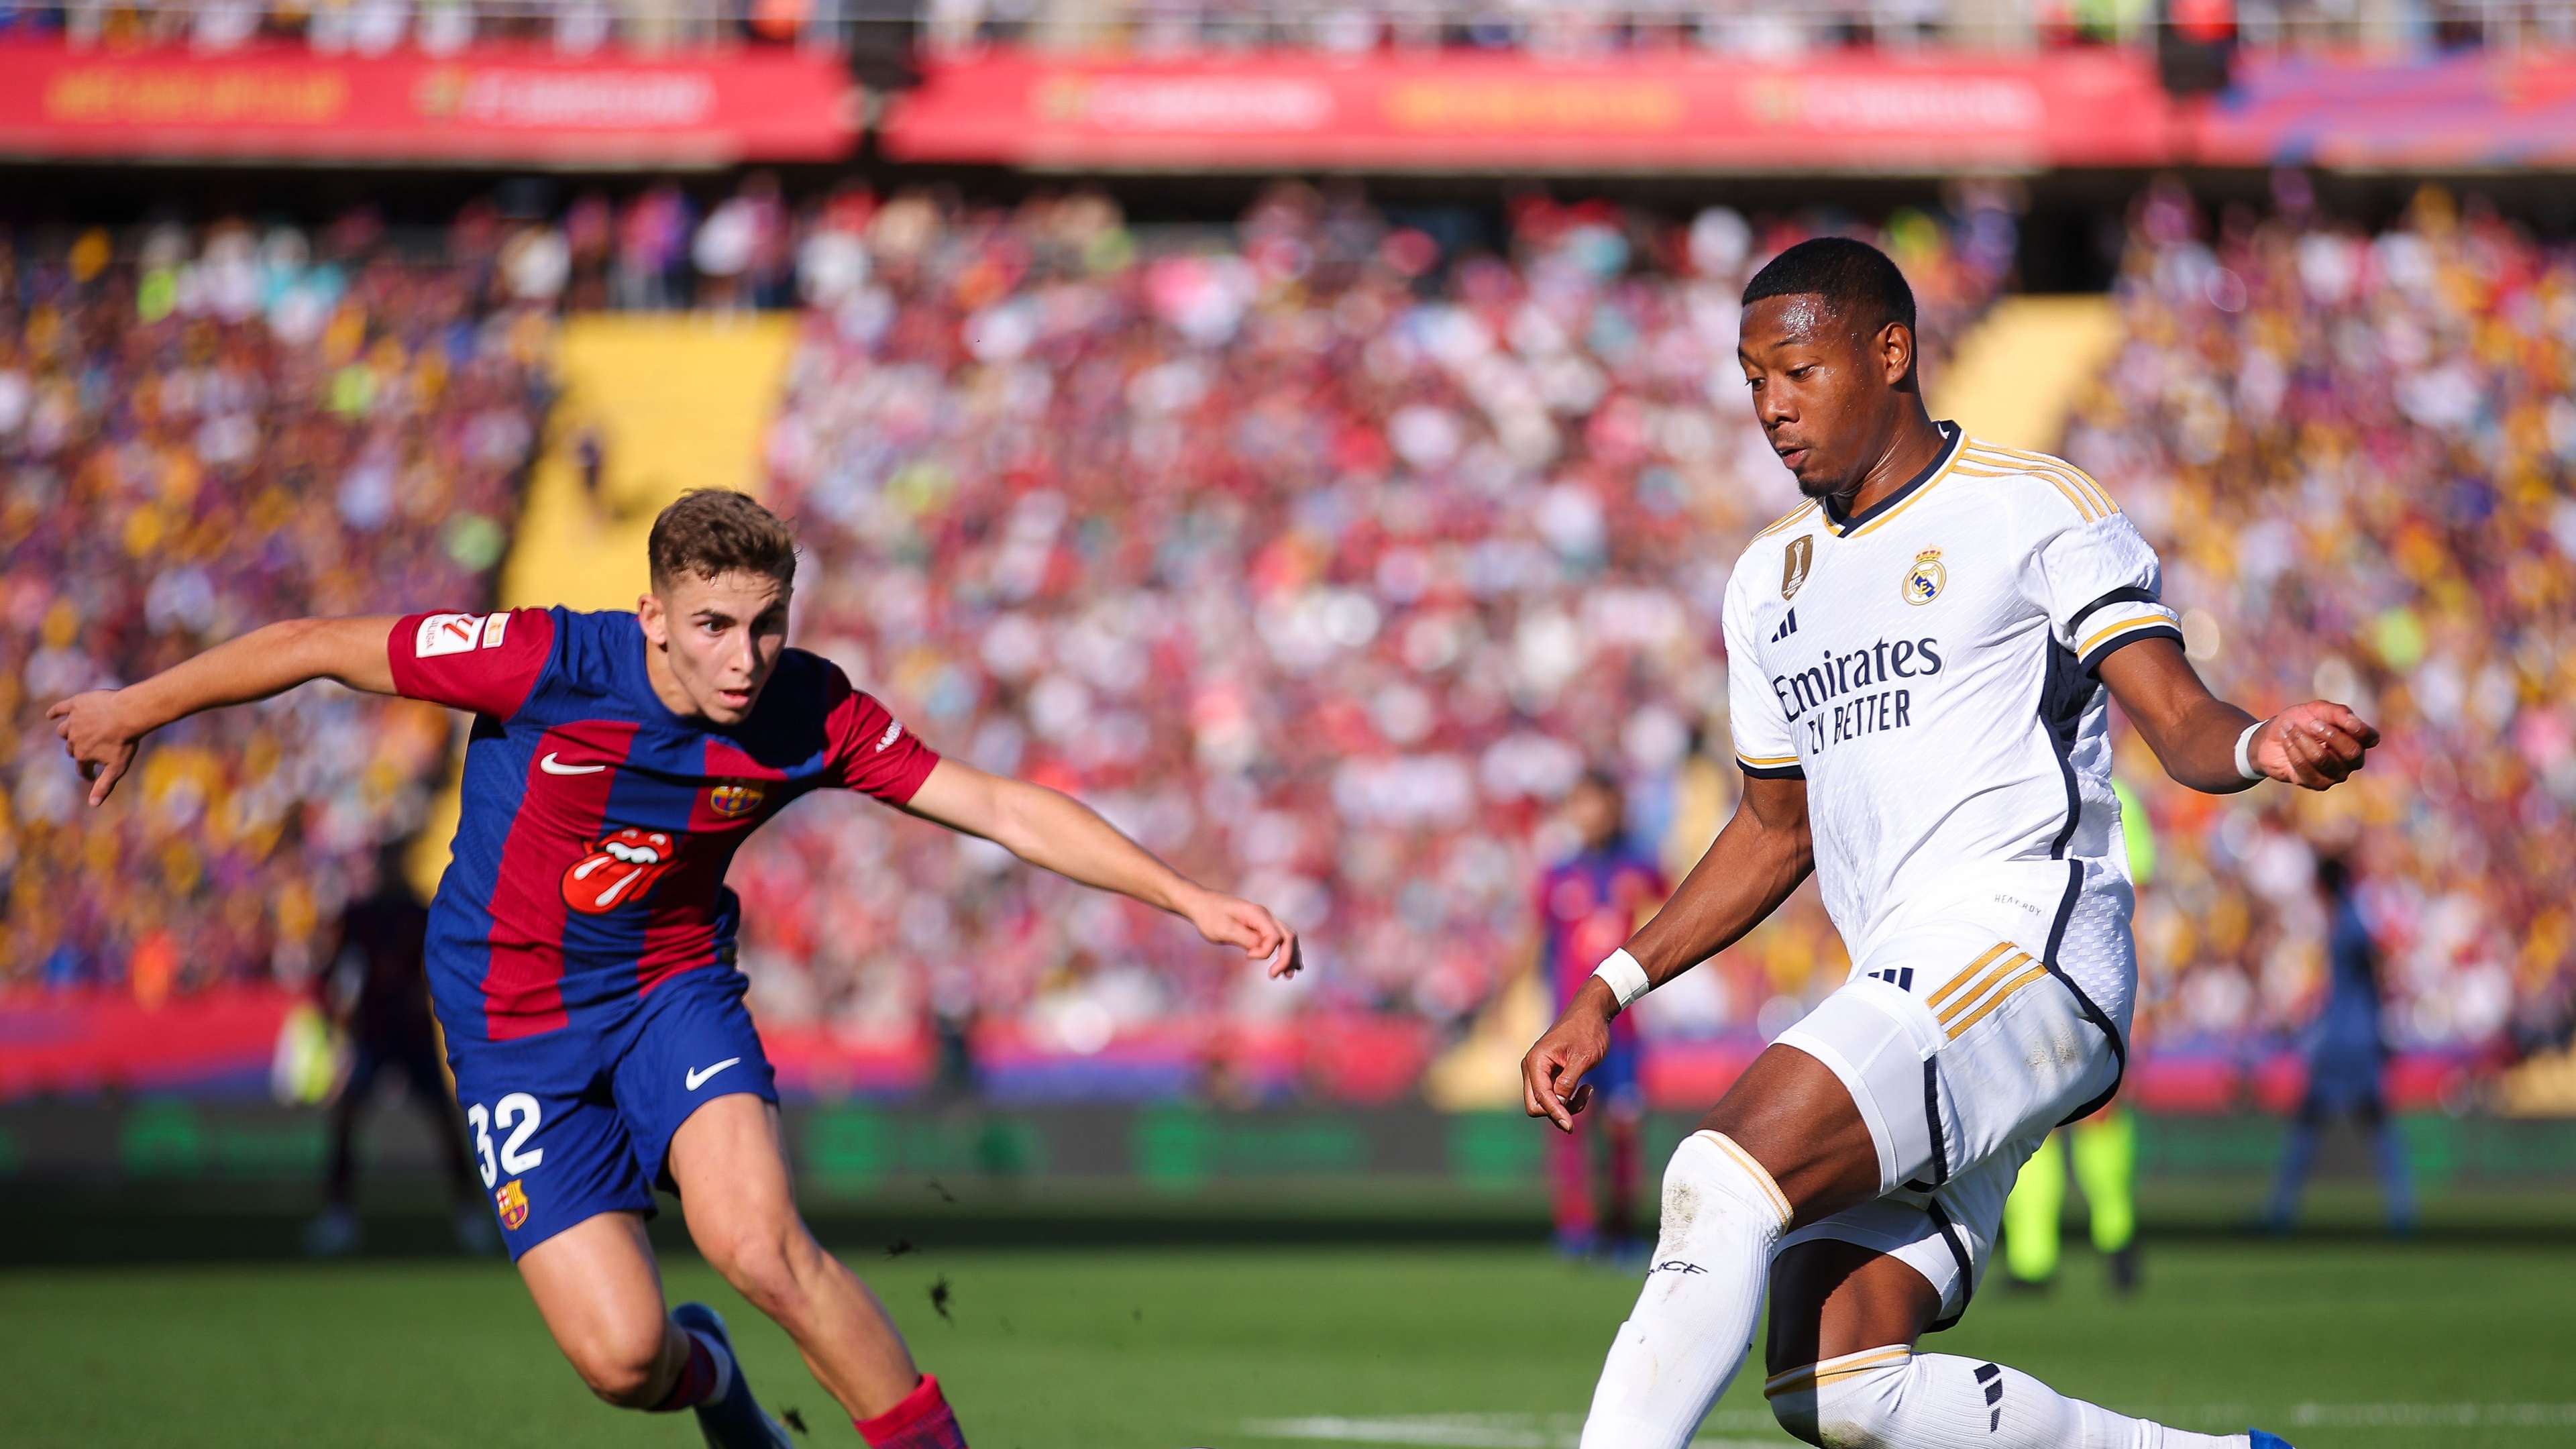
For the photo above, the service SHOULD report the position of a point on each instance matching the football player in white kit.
(1918, 657)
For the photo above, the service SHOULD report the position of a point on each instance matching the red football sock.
(921, 1421)
(1569, 1160)
(696, 1382)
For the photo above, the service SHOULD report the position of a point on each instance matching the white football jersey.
(1928, 667)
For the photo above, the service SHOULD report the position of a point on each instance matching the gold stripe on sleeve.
(2122, 627)
(1784, 520)
(2082, 478)
(2083, 509)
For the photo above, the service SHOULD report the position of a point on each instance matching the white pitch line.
(2432, 1416)
(1471, 1431)
(1562, 1431)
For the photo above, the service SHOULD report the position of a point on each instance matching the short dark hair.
(712, 532)
(1855, 279)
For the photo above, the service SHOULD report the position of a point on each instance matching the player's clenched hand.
(1552, 1084)
(1233, 921)
(2314, 746)
(97, 737)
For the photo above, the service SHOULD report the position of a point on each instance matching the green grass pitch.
(2343, 1343)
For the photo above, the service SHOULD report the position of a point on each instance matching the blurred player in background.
(1586, 905)
(2103, 1149)
(385, 1015)
(2347, 1053)
(1919, 665)
(581, 945)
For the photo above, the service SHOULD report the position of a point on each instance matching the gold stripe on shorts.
(1960, 1024)
(2002, 971)
(1965, 976)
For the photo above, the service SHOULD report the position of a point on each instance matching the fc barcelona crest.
(512, 1200)
(735, 798)
(1924, 581)
(1795, 565)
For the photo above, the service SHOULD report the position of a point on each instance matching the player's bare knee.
(766, 1266)
(624, 1368)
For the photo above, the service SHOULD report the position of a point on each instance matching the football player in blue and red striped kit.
(1588, 905)
(581, 945)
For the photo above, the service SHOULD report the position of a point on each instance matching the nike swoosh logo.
(553, 766)
(698, 1075)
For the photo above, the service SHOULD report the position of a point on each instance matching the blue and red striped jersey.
(597, 825)
(1588, 905)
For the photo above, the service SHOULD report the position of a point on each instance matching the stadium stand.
(1228, 538)
(201, 433)
(2352, 450)
(1553, 28)
(1211, 526)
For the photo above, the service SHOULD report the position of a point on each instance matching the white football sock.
(1693, 1323)
(1883, 1398)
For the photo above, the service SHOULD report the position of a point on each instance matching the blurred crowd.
(202, 431)
(1751, 28)
(1322, 554)
(2353, 451)
(1556, 28)
(1322, 551)
(1352, 27)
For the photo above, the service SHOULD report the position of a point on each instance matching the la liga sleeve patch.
(487, 663)
(440, 634)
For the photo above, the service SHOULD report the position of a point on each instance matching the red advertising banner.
(1852, 112)
(2473, 111)
(503, 104)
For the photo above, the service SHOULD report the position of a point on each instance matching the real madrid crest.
(735, 798)
(1795, 565)
(1924, 581)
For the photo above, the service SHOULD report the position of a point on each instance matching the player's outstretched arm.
(2314, 746)
(102, 729)
(1762, 854)
(1051, 829)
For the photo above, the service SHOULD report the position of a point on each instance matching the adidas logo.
(1900, 977)
(1788, 626)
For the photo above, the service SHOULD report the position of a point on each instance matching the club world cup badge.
(735, 798)
(1795, 565)
(512, 1199)
(1924, 581)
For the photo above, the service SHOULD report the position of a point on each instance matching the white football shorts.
(1965, 1040)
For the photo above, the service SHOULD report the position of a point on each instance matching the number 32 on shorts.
(517, 1116)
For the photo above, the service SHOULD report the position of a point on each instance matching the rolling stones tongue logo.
(621, 868)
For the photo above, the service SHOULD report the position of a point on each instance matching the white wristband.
(1625, 978)
(2245, 750)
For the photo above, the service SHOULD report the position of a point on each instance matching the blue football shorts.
(578, 1121)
